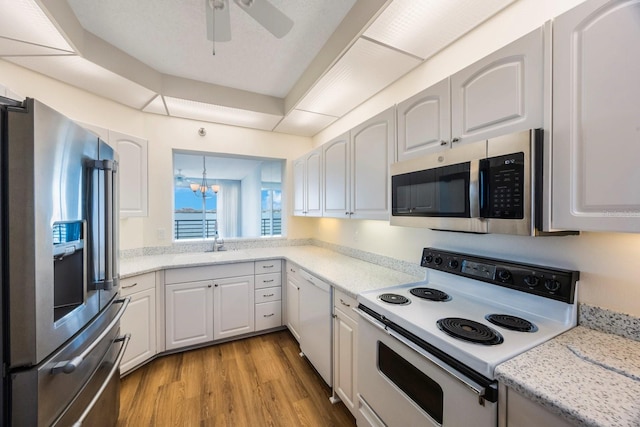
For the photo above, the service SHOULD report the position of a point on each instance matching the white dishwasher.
(316, 324)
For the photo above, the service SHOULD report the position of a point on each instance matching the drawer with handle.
(268, 280)
(268, 294)
(270, 266)
(268, 315)
(134, 284)
(345, 303)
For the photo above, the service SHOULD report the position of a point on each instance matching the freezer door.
(62, 389)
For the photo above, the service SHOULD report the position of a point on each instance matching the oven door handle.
(114, 369)
(468, 382)
(68, 366)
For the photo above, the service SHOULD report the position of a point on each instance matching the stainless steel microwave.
(492, 186)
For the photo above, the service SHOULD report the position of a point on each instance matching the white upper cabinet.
(500, 94)
(596, 117)
(424, 123)
(132, 153)
(307, 184)
(372, 144)
(337, 191)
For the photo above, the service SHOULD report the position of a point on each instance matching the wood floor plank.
(258, 381)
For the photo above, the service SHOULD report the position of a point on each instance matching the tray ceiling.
(153, 55)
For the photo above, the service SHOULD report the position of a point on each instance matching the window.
(233, 196)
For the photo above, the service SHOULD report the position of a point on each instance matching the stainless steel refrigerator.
(61, 346)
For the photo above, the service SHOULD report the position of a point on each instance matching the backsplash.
(604, 320)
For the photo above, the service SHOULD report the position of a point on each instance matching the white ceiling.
(153, 55)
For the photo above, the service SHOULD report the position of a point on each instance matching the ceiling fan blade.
(222, 20)
(267, 15)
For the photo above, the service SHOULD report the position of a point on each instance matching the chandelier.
(202, 189)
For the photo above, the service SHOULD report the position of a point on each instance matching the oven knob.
(453, 264)
(552, 285)
(438, 260)
(532, 281)
(428, 259)
(504, 275)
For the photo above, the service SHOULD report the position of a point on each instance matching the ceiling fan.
(265, 13)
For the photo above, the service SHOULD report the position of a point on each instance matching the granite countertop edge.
(585, 376)
(347, 274)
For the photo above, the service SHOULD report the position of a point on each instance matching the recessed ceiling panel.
(23, 20)
(363, 71)
(424, 27)
(218, 114)
(304, 123)
(156, 106)
(81, 73)
(171, 37)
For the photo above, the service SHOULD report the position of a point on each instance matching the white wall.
(251, 202)
(164, 134)
(609, 263)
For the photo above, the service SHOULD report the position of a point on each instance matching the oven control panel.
(549, 282)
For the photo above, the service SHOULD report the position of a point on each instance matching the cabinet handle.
(344, 303)
(335, 316)
(268, 315)
(443, 142)
(208, 286)
(346, 213)
(267, 295)
(215, 284)
(267, 281)
(130, 286)
(292, 270)
(267, 266)
(455, 140)
(350, 213)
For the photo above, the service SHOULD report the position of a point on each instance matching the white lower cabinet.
(268, 294)
(139, 320)
(189, 313)
(233, 306)
(345, 351)
(292, 300)
(516, 410)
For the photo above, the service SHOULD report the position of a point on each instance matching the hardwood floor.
(258, 381)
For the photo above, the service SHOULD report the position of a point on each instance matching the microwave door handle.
(474, 189)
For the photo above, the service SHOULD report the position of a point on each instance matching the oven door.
(401, 385)
(439, 191)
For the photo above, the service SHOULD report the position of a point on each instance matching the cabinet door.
(345, 356)
(500, 94)
(596, 118)
(132, 170)
(372, 145)
(336, 188)
(292, 300)
(314, 183)
(299, 187)
(189, 314)
(233, 306)
(424, 123)
(140, 321)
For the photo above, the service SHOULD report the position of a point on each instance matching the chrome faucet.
(218, 243)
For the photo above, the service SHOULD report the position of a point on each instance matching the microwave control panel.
(504, 186)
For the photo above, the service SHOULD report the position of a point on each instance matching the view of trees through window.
(233, 196)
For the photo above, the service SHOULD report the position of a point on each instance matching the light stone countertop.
(588, 377)
(345, 273)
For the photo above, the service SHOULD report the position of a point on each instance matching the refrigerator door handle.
(109, 167)
(68, 366)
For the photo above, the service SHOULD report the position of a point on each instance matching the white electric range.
(428, 350)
